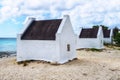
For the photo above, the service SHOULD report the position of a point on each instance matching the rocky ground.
(7, 54)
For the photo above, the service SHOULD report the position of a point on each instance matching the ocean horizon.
(8, 44)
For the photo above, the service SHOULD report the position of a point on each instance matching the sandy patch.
(90, 65)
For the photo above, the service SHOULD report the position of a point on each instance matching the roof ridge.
(48, 20)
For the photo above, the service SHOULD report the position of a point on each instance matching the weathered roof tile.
(42, 30)
(89, 33)
(106, 33)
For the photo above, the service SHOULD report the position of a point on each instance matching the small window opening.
(68, 47)
(101, 41)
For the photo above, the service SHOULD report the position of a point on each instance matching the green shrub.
(117, 39)
(94, 49)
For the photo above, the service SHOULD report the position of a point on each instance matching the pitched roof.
(42, 30)
(106, 33)
(89, 33)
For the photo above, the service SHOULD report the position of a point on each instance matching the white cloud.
(82, 12)
(36, 4)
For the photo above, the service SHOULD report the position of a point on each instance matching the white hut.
(49, 40)
(90, 38)
(108, 34)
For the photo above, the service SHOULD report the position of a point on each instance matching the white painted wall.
(108, 40)
(88, 43)
(100, 38)
(37, 50)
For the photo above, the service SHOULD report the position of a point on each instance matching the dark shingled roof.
(89, 33)
(106, 33)
(42, 30)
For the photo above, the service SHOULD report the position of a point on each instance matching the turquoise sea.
(7, 44)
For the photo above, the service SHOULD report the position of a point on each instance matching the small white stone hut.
(49, 40)
(90, 38)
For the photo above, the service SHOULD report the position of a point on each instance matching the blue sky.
(83, 13)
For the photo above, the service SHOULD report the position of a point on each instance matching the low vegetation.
(109, 45)
(91, 49)
(117, 39)
(94, 49)
(24, 63)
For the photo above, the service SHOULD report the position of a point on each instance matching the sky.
(83, 13)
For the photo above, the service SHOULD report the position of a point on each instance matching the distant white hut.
(90, 38)
(108, 34)
(49, 40)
